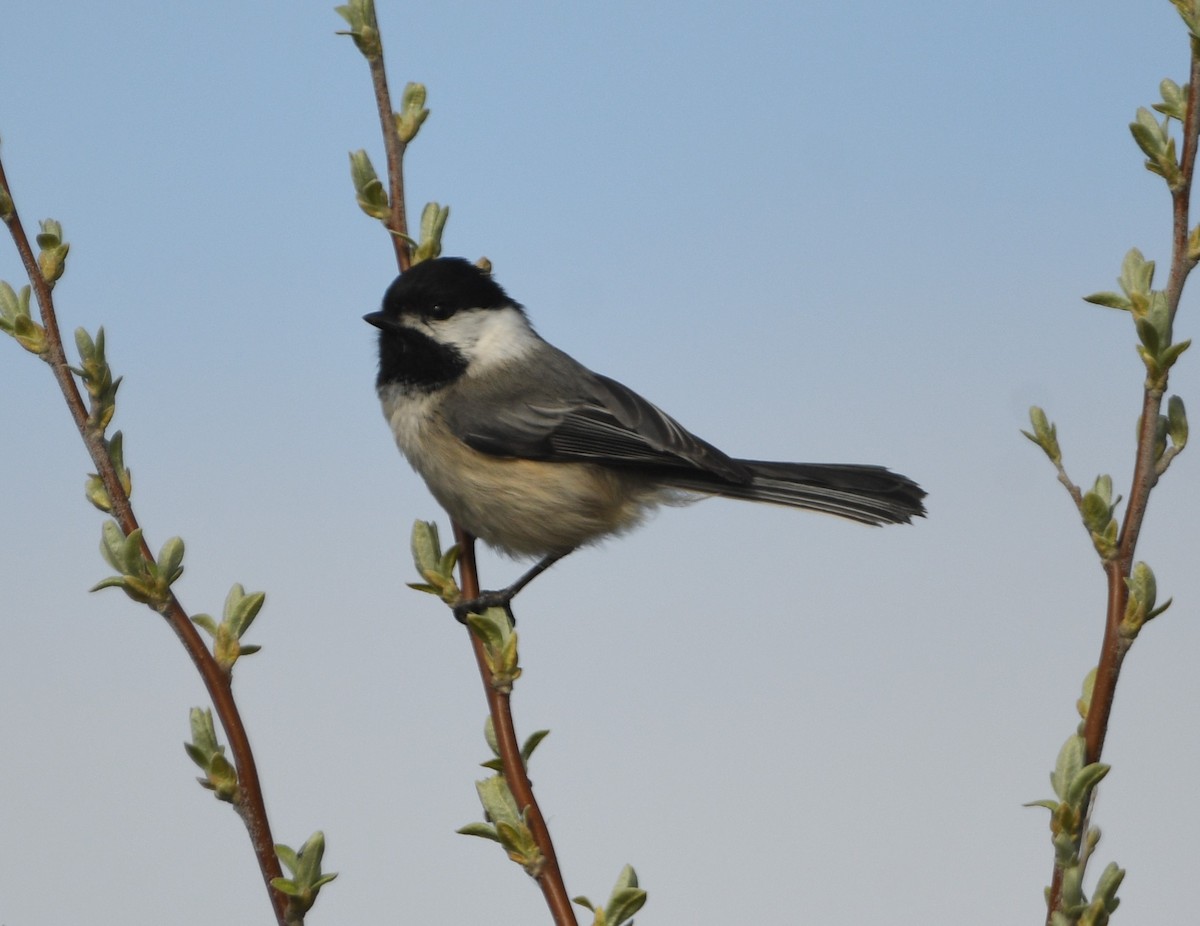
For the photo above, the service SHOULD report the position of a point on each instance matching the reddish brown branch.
(250, 804)
(549, 878)
(394, 146)
(1145, 474)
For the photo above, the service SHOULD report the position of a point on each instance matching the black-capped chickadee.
(536, 455)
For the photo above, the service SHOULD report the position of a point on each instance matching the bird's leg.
(502, 598)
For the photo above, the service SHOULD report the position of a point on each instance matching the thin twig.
(1146, 468)
(549, 877)
(394, 146)
(1145, 473)
(250, 804)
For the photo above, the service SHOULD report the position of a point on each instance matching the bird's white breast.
(408, 413)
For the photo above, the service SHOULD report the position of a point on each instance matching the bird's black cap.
(437, 289)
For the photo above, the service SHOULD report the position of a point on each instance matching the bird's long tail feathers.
(868, 494)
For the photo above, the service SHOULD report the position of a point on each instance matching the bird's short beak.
(379, 320)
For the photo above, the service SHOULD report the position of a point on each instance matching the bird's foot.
(503, 598)
(484, 600)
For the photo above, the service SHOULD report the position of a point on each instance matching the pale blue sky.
(847, 231)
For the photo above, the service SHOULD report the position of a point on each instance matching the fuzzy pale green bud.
(412, 112)
(52, 259)
(1045, 435)
(364, 28)
(433, 221)
(372, 197)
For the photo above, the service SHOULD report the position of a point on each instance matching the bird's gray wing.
(584, 418)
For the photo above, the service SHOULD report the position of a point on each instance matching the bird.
(534, 454)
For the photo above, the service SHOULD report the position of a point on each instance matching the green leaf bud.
(433, 221)
(170, 559)
(1045, 435)
(364, 29)
(412, 112)
(369, 191)
(1189, 12)
(1069, 764)
(1174, 100)
(1177, 426)
(52, 258)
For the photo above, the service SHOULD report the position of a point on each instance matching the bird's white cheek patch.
(487, 337)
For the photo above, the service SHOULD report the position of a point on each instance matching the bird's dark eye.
(440, 312)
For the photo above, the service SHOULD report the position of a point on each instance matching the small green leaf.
(111, 543)
(196, 754)
(369, 190)
(1097, 511)
(97, 494)
(1085, 779)
(241, 609)
(1110, 300)
(204, 733)
(1110, 880)
(1083, 705)
(487, 629)
(498, 801)
(1189, 12)
(286, 886)
(1069, 764)
(532, 743)
(1168, 357)
(1137, 276)
(287, 855)
(29, 334)
(426, 546)
(206, 621)
(1177, 425)
(307, 880)
(482, 830)
(489, 735)
(626, 879)
(170, 559)
(412, 112)
(1045, 434)
(624, 904)
(309, 857)
(1174, 100)
(222, 776)
(364, 29)
(52, 258)
(85, 345)
(1148, 334)
(433, 221)
(110, 582)
(51, 234)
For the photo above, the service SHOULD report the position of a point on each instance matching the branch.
(549, 877)
(395, 148)
(249, 802)
(365, 30)
(1147, 467)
